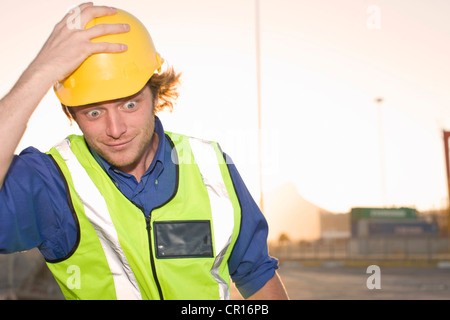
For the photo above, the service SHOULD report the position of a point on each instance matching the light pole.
(379, 101)
(258, 99)
(446, 136)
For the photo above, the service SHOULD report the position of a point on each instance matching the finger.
(74, 13)
(92, 12)
(106, 47)
(105, 29)
(85, 5)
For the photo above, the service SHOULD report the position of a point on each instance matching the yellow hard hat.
(109, 76)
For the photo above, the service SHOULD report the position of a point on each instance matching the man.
(126, 211)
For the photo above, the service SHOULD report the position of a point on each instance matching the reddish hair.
(164, 86)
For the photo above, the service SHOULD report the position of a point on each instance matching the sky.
(323, 63)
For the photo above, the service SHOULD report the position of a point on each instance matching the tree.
(283, 239)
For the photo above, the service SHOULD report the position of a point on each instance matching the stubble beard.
(130, 156)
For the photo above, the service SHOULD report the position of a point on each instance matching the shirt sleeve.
(34, 210)
(250, 264)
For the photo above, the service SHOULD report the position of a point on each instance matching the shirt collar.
(158, 158)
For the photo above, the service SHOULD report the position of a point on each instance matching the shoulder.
(35, 171)
(31, 161)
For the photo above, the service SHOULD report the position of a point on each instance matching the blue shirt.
(34, 210)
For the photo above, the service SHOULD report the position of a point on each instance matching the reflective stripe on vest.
(221, 206)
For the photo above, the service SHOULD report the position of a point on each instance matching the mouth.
(117, 146)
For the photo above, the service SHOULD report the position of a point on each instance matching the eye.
(93, 113)
(130, 105)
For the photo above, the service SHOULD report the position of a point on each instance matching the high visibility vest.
(180, 252)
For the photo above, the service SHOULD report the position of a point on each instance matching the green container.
(383, 213)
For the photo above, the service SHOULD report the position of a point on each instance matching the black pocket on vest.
(183, 239)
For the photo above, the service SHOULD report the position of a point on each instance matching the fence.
(26, 276)
(429, 249)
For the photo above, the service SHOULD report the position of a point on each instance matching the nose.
(116, 125)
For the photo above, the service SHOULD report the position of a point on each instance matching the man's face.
(120, 130)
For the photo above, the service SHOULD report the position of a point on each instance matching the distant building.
(379, 222)
(382, 231)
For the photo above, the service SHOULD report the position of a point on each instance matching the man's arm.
(250, 264)
(64, 51)
(15, 110)
(272, 290)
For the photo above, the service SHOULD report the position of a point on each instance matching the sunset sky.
(323, 63)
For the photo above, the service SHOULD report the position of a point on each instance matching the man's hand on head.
(70, 43)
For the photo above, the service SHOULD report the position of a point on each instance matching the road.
(336, 282)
